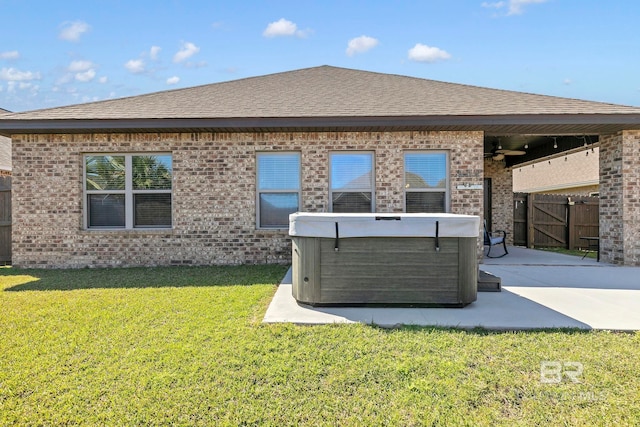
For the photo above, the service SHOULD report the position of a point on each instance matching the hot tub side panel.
(406, 271)
(467, 269)
(305, 267)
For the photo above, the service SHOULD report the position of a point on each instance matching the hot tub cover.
(306, 224)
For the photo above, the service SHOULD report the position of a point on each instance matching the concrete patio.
(539, 290)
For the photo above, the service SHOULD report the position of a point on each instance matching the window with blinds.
(128, 190)
(278, 188)
(352, 182)
(426, 178)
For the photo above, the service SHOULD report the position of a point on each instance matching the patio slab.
(539, 290)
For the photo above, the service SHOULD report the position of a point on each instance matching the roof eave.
(491, 124)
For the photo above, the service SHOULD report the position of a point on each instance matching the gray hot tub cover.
(383, 225)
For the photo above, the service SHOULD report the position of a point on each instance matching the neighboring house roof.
(332, 98)
(5, 148)
(571, 171)
(5, 153)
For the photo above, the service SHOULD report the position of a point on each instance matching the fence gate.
(547, 220)
(520, 219)
(5, 220)
(550, 220)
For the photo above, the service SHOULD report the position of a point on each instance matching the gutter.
(491, 124)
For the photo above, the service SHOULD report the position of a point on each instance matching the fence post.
(571, 220)
(530, 224)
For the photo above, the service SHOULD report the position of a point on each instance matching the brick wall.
(620, 198)
(213, 193)
(501, 196)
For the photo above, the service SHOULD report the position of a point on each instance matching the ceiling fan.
(498, 153)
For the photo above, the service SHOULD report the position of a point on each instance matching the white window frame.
(371, 189)
(128, 192)
(260, 191)
(447, 188)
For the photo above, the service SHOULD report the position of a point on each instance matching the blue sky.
(62, 52)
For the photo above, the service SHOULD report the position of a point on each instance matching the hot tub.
(384, 259)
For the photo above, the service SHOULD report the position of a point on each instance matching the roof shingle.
(325, 91)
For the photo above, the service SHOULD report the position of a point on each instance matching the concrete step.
(487, 282)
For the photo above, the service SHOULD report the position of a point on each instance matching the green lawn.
(185, 346)
(574, 252)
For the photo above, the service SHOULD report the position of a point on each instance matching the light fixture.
(526, 146)
(555, 142)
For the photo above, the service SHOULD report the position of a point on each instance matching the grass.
(185, 346)
(574, 252)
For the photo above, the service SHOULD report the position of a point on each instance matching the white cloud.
(103, 79)
(361, 44)
(14, 86)
(173, 80)
(12, 54)
(14, 75)
(86, 76)
(567, 82)
(187, 51)
(514, 7)
(135, 66)
(84, 70)
(423, 53)
(72, 31)
(153, 52)
(285, 28)
(77, 66)
(495, 5)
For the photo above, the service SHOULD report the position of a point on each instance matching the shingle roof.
(5, 148)
(329, 93)
(326, 92)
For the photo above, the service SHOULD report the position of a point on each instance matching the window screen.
(426, 180)
(128, 191)
(278, 183)
(352, 180)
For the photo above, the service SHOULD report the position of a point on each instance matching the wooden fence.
(5, 220)
(549, 220)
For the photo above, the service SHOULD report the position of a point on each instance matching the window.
(352, 182)
(128, 190)
(426, 180)
(278, 187)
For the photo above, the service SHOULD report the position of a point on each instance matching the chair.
(495, 238)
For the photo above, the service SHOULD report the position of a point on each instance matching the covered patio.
(540, 290)
(619, 165)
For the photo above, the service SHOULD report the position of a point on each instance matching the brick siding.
(214, 213)
(501, 196)
(620, 198)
